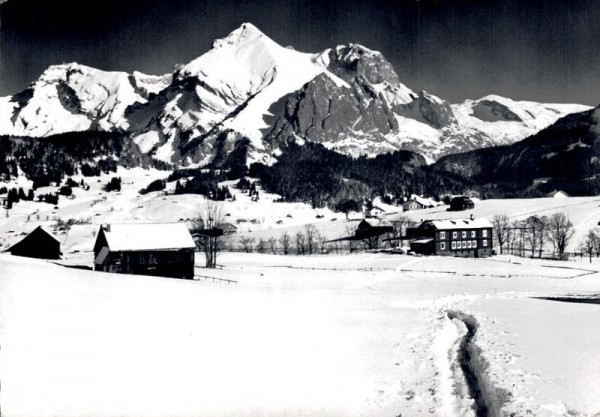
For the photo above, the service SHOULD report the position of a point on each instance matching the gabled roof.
(147, 236)
(35, 231)
(412, 200)
(451, 224)
(462, 199)
(377, 222)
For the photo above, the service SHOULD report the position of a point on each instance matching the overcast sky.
(524, 49)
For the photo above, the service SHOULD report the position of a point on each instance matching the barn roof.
(377, 222)
(18, 239)
(480, 223)
(17, 243)
(147, 236)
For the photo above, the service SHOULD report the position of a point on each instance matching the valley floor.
(347, 335)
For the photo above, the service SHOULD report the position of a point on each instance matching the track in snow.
(468, 366)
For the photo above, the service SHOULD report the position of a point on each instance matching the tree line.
(529, 237)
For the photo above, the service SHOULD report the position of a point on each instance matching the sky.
(457, 49)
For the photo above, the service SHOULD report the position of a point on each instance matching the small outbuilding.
(160, 249)
(461, 203)
(38, 244)
(558, 194)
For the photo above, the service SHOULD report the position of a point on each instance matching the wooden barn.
(461, 203)
(38, 244)
(456, 237)
(160, 249)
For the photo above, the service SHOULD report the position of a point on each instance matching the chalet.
(459, 237)
(412, 205)
(38, 244)
(375, 212)
(461, 203)
(160, 249)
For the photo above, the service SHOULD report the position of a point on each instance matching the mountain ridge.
(248, 89)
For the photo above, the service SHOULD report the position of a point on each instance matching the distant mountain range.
(250, 95)
(564, 156)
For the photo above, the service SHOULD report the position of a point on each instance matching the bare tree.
(400, 225)
(285, 241)
(300, 243)
(261, 246)
(560, 231)
(207, 227)
(501, 230)
(596, 231)
(588, 246)
(312, 235)
(542, 234)
(247, 243)
(272, 245)
(534, 229)
(352, 244)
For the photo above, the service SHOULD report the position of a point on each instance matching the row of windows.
(466, 244)
(464, 234)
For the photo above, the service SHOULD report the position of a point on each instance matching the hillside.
(563, 156)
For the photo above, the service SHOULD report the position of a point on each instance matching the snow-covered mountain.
(250, 94)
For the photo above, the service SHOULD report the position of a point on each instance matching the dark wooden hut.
(38, 244)
(160, 249)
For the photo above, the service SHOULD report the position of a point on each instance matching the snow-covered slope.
(72, 98)
(229, 89)
(249, 92)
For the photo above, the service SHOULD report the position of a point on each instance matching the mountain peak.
(246, 32)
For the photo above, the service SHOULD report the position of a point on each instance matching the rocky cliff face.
(248, 89)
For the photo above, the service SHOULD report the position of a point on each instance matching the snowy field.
(344, 335)
(347, 335)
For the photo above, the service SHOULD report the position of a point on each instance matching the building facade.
(461, 203)
(412, 205)
(460, 237)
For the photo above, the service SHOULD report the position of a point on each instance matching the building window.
(469, 244)
(473, 233)
(453, 245)
(484, 242)
(474, 244)
(454, 235)
(484, 233)
(442, 246)
(442, 235)
(464, 234)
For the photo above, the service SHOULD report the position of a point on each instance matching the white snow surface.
(147, 236)
(360, 335)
